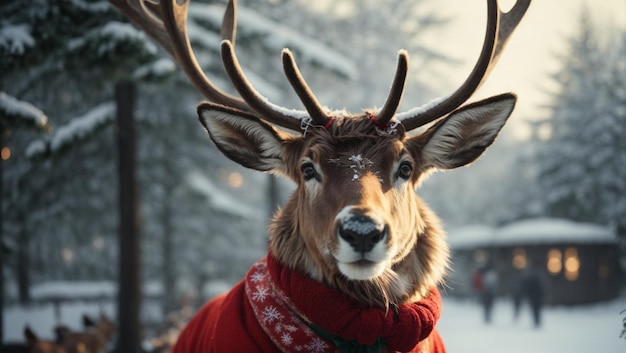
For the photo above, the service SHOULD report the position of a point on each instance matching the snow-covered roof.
(531, 231)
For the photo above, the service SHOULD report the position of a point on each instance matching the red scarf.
(278, 316)
(273, 308)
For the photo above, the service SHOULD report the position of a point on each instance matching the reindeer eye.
(308, 171)
(404, 170)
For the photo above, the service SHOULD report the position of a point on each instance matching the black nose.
(361, 232)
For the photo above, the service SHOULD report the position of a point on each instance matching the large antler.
(166, 23)
(500, 25)
(166, 20)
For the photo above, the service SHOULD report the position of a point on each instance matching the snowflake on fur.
(271, 314)
(359, 163)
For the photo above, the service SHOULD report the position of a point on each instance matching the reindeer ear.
(243, 137)
(31, 337)
(466, 133)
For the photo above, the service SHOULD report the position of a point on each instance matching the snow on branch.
(277, 37)
(77, 130)
(14, 112)
(14, 39)
(156, 70)
(94, 7)
(111, 35)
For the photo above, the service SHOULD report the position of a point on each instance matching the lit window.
(554, 263)
(519, 258)
(571, 264)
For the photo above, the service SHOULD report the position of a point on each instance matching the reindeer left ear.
(465, 134)
(243, 137)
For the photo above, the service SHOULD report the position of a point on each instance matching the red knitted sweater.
(273, 308)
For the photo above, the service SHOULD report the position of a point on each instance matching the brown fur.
(299, 230)
(35, 345)
(354, 221)
(92, 340)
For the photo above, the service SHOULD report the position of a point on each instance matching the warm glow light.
(235, 180)
(571, 264)
(519, 258)
(554, 261)
(5, 153)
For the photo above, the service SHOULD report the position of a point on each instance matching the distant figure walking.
(531, 288)
(534, 289)
(485, 284)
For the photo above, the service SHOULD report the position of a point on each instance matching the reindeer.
(93, 340)
(355, 256)
(36, 345)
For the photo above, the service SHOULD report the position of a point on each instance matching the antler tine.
(174, 20)
(270, 112)
(146, 15)
(499, 27)
(165, 23)
(315, 109)
(397, 88)
(508, 23)
(229, 23)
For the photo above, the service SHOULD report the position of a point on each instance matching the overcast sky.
(529, 57)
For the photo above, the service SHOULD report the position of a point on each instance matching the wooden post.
(129, 299)
(2, 249)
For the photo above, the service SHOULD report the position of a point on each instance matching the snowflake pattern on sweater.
(278, 317)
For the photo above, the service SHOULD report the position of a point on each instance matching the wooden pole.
(2, 249)
(129, 299)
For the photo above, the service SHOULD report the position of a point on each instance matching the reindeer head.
(354, 221)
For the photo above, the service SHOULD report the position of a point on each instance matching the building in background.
(578, 262)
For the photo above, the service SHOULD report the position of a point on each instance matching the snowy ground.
(584, 329)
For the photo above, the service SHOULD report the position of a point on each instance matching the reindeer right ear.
(243, 137)
(463, 136)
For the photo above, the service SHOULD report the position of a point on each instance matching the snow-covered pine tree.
(60, 56)
(582, 163)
